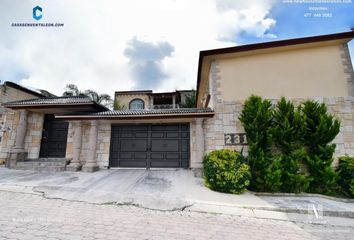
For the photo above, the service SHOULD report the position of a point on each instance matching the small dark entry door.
(146, 145)
(54, 137)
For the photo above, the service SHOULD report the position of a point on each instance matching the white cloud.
(89, 49)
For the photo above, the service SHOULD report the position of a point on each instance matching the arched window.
(136, 104)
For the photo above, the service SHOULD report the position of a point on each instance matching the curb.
(345, 200)
(327, 213)
(341, 214)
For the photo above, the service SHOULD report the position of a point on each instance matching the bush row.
(290, 147)
(290, 150)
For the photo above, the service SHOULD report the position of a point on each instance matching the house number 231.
(235, 139)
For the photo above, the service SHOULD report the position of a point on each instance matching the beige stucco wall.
(124, 100)
(227, 113)
(299, 73)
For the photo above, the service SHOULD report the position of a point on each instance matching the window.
(136, 104)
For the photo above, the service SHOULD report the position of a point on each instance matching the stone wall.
(348, 68)
(85, 141)
(34, 134)
(9, 118)
(69, 142)
(103, 143)
(194, 162)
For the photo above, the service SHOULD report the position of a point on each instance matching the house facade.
(154, 130)
(146, 99)
(318, 68)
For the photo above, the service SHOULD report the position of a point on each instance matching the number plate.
(235, 139)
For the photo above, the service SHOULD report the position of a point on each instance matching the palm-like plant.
(104, 99)
(190, 100)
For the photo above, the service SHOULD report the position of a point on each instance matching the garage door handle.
(149, 149)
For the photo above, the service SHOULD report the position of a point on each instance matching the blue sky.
(137, 44)
(292, 23)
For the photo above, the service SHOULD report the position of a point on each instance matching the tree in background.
(190, 100)
(104, 99)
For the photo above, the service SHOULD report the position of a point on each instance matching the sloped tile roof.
(59, 102)
(154, 111)
(50, 100)
(149, 113)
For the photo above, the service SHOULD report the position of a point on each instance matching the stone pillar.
(199, 140)
(18, 152)
(91, 161)
(21, 130)
(75, 164)
(151, 102)
(174, 101)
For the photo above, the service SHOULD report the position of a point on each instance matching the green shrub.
(225, 171)
(321, 129)
(257, 120)
(288, 130)
(345, 171)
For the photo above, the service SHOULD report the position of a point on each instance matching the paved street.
(29, 216)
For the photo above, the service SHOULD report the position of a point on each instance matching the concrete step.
(43, 165)
(40, 168)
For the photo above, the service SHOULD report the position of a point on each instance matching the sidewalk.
(166, 190)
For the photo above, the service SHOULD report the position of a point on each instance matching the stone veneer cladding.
(34, 134)
(348, 68)
(228, 112)
(9, 121)
(103, 142)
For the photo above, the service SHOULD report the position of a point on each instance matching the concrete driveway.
(153, 189)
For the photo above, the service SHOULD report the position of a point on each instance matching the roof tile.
(50, 100)
(153, 111)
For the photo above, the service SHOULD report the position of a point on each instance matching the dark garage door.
(150, 146)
